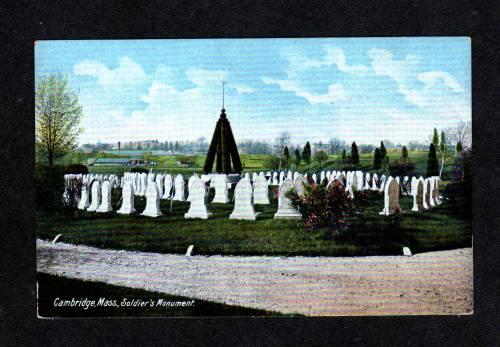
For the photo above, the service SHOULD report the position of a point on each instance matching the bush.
(187, 160)
(49, 187)
(459, 191)
(272, 162)
(401, 168)
(329, 207)
(139, 169)
(76, 169)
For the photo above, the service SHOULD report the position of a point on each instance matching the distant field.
(251, 162)
(436, 229)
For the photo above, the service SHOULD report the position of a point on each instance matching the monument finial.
(223, 82)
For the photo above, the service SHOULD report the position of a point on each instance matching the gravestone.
(314, 178)
(352, 181)
(247, 176)
(417, 191)
(289, 175)
(167, 187)
(299, 184)
(197, 208)
(95, 196)
(127, 199)
(159, 183)
(152, 208)
(391, 197)
(282, 177)
(105, 205)
(285, 208)
(221, 190)
(178, 188)
(341, 178)
(406, 251)
(193, 178)
(374, 182)
(143, 184)
(406, 186)
(261, 191)
(367, 181)
(84, 198)
(359, 180)
(382, 183)
(274, 180)
(243, 208)
(427, 193)
(189, 250)
(437, 199)
(321, 176)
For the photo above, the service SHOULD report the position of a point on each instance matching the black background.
(23, 22)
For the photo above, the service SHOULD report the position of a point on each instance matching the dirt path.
(429, 283)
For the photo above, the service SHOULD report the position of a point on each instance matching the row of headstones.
(425, 193)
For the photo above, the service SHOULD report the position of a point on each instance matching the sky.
(355, 89)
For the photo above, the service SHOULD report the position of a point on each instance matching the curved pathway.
(427, 283)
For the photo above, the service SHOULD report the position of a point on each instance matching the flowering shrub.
(329, 207)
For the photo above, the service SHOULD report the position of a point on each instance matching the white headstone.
(159, 183)
(417, 191)
(84, 198)
(243, 208)
(221, 190)
(95, 196)
(197, 208)
(167, 187)
(374, 182)
(179, 188)
(407, 251)
(261, 191)
(382, 183)
(367, 181)
(299, 184)
(105, 205)
(127, 199)
(285, 208)
(314, 178)
(359, 180)
(152, 208)
(192, 179)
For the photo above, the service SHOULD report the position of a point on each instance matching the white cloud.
(128, 72)
(435, 77)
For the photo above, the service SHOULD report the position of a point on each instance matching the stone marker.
(159, 183)
(178, 188)
(243, 208)
(197, 208)
(391, 197)
(383, 180)
(105, 205)
(285, 208)
(57, 238)
(143, 184)
(127, 199)
(261, 191)
(374, 182)
(190, 182)
(299, 184)
(427, 193)
(189, 251)
(167, 187)
(152, 208)
(367, 181)
(84, 198)
(406, 251)
(95, 196)
(437, 198)
(314, 177)
(417, 191)
(221, 190)
(359, 180)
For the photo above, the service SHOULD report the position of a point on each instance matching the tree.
(404, 153)
(281, 142)
(58, 115)
(459, 148)
(443, 149)
(297, 157)
(377, 159)
(286, 156)
(336, 144)
(354, 153)
(320, 156)
(306, 153)
(343, 155)
(432, 162)
(435, 138)
(383, 153)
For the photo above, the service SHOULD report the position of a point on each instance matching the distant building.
(320, 146)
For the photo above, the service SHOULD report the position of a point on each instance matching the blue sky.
(357, 89)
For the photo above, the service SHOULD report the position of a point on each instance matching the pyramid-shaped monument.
(223, 149)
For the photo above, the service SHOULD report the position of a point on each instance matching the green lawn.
(435, 229)
(51, 287)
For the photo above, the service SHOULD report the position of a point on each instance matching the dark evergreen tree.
(306, 153)
(343, 155)
(286, 156)
(432, 162)
(297, 157)
(383, 151)
(435, 138)
(404, 153)
(354, 153)
(377, 159)
(459, 147)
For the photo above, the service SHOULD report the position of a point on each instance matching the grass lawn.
(436, 229)
(51, 287)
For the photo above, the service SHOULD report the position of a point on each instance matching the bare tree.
(281, 142)
(336, 145)
(462, 133)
